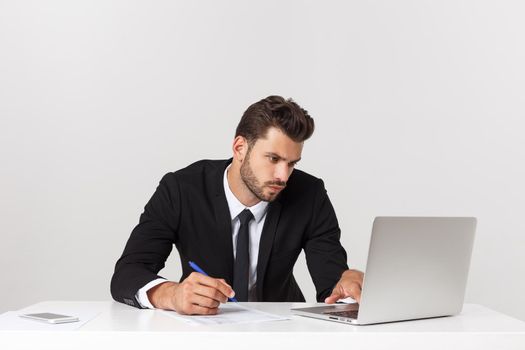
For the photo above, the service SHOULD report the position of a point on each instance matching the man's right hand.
(196, 295)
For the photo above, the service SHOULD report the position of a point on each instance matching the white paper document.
(11, 321)
(229, 313)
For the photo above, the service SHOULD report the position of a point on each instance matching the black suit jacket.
(189, 210)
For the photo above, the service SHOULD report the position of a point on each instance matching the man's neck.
(238, 187)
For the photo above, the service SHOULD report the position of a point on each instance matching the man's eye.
(273, 159)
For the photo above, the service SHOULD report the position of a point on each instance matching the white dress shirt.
(236, 207)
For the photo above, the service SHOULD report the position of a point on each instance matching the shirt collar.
(236, 207)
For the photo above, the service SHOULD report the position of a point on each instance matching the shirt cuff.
(142, 297)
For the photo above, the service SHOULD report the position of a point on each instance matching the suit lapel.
(266, 243)
(224, 247)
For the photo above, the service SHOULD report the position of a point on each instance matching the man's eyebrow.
(280, 157)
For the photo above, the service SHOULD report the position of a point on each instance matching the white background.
(418, 107)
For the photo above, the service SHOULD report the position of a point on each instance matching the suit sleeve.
(149, 244)
(325, 256)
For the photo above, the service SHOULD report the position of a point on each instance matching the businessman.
(243, 221)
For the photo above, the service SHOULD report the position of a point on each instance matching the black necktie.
(241, 269)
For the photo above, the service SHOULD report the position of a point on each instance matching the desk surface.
(477, 327)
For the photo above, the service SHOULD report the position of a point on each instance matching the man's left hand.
(349, 285)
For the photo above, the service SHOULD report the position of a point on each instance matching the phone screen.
(47, 315)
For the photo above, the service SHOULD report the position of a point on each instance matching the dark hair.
(275, 111)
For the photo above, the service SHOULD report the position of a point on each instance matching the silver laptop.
(417, 268)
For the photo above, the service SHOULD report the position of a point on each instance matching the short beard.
(251, 182)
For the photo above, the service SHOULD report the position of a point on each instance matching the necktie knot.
(245, 216)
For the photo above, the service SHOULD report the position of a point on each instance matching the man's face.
(269, 163)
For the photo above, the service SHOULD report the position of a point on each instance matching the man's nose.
(282, 172)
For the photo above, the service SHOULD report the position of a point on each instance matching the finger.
(222, 287)
(215, 283)
(194, 309)
(210, 292)
(225, 283)
(354, 292)
(204, 301)
(335, 296)
(357, 297)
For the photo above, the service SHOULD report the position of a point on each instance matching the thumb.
(335, 296)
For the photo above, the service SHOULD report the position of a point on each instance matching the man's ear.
(239, 148)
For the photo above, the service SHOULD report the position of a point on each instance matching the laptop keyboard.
(349, 313)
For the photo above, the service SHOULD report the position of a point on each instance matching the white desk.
(119, 326)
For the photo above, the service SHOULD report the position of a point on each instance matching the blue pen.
(199, 270)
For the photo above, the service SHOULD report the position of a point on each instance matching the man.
(244, 221)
